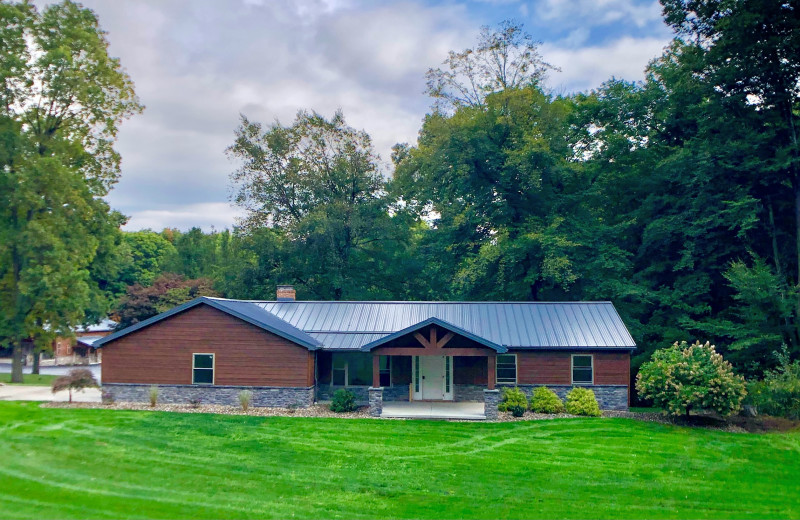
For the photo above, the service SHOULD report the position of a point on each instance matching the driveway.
(43, 393)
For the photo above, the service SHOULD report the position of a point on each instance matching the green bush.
(517, 410)
(778, 393)
(545, 400)
(343, 401)
(690, 377)
(581, 401)
(512, 397)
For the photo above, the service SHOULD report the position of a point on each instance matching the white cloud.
(599, 11)
(218, 215)
(586, 68)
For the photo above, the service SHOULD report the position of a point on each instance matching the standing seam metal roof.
(351, 325)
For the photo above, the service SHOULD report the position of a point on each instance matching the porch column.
(375, 401)
(376, 371)
(491, 359)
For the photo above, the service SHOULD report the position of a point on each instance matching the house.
(291, 352)
(81, 349)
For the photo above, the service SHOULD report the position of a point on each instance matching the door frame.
(416, 379)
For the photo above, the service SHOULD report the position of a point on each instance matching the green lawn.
(29, 379)
(73, 463)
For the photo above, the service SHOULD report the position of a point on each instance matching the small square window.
(203, 369)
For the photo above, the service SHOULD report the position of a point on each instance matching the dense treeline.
(677, 198)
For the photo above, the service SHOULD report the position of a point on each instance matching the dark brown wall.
(245, 355)
(470, 370)
(553, 367)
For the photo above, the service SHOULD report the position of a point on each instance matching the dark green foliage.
(779, 392)
(517, 410)
(581, 401)
(545, 400)
(343, 401)
(512, 397)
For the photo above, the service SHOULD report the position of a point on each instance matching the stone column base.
(375, 401)
(491, 398)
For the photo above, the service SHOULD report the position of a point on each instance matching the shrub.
(76, 379)
(153, 395)
(545, 400)
(343, 401)
(581, 401)
(690, 377)
(195, 402)
(512, 397)
(779, 392)
(245, 398)
(517, 410)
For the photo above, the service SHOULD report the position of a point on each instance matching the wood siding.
(244, 355)
(555, 367)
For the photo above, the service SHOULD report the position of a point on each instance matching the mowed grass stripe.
(151, 464)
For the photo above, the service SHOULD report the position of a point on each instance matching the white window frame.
(516, 369)
(572, 368)
(213, 367)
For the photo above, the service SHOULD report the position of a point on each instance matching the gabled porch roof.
(437, 322)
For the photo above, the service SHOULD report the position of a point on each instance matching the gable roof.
(441, 323)
(518, 325)
(243, 310)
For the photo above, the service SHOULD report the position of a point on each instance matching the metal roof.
(357, 325)
(89, 341)
(352, 325)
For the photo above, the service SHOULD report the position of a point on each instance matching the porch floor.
(433, 410)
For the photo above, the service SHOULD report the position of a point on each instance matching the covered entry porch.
(447, 366)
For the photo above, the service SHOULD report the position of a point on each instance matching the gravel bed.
(311, 411)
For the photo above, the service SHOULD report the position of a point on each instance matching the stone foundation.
(609, 397)
(390, 393)
(468, 392)
(263, 396)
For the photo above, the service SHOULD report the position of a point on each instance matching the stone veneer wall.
(491, 398)
(263, 396)
(468, 392)
(609, 397)
(375, 401)
(390, 393)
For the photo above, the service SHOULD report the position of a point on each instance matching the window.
(447, 361)
(386, 370)
(351, 369)
(339, 375)
(202, 369)
(582, 370)
(416, 374)
(507, 369)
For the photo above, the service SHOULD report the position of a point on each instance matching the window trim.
(572, 368)
(213, 367)
(516, 369)
(346, 372)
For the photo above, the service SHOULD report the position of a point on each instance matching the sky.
(198, 64)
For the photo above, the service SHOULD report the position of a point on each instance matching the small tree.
(687, 377)
(77, 379)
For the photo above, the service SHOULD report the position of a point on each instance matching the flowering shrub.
(687, 377)
(581, 401)
(545, 400)
(512, 397)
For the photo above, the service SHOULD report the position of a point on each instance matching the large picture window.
(351, 369)
(507, 369)
(202, 369)
(582, 370)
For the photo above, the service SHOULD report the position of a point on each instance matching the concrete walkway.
(43, 393)
(433, 410)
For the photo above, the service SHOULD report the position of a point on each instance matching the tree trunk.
(37, 352)
(16, 363)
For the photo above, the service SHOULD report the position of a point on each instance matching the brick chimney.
(286, 293)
